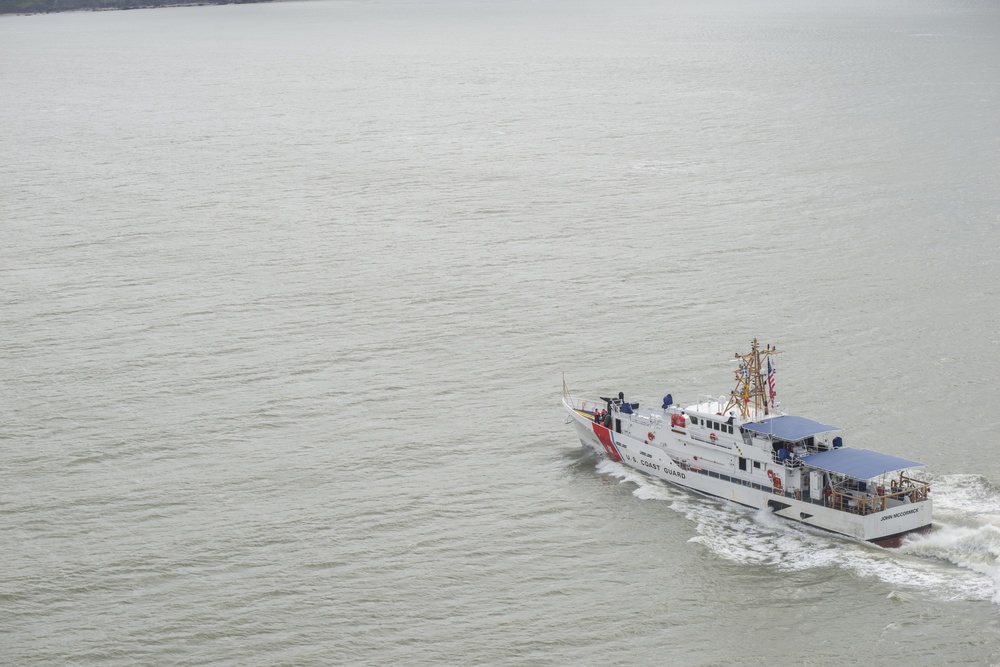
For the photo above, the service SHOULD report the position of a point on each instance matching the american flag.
(770, 380)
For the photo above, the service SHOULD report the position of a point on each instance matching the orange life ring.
(777, 482)
(651, 435)
(711, 436)
(770, 474)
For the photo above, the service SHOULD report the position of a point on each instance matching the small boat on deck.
(744, 449)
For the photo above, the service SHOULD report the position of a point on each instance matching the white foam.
(972, 548)
(647, 488)
(927, 562)
(970, 496)
(623, 472)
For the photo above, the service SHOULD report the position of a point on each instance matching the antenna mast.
(751, 396)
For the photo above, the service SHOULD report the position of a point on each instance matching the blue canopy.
(858, 463)
(789, 428)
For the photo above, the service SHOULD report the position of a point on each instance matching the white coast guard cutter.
(741, 449)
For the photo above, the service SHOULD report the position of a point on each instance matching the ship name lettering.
(899, 514)
(675, 472)
(649, 465)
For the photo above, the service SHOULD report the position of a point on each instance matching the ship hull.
(676, 459)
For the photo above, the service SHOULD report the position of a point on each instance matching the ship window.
(729, 429)
(756, 464)
(715, 425)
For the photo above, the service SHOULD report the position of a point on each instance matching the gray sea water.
(287, 292)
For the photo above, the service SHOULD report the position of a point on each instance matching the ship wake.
(959, 559)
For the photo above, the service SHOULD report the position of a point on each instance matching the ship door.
(618, 426)
(743, 464)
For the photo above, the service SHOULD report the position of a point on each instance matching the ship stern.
(889, 527)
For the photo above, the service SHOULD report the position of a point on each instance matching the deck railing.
(909, 491)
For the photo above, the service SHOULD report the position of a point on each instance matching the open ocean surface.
(288, 291)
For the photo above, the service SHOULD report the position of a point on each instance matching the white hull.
(687, 458)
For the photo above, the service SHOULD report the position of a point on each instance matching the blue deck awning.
(789, 428)
(858, 463)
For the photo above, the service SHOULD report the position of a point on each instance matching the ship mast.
(752, 396)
